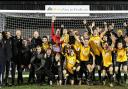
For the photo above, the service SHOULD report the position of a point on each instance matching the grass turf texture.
(45, 86)
(65, 87)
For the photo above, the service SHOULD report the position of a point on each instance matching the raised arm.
(89, 28)
(85, 24)
(126, 27)
(52, 27)
(113, 40)
(61, 30)
(105, 30)
(92, 25)
(76, 37)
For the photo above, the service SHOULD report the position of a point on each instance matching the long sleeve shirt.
(55, 38)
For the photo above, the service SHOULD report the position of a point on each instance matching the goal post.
(64, 12)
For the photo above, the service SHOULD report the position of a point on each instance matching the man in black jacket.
(8, 45)
(2, 58)
(36, 40)
(24, 61)
(16, 51)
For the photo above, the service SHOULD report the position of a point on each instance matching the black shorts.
(83, 64)
(107, 68)
(127, 62)
(71, 76)
(114, 59)
(90, 61)
(98, 60)
(118, 64)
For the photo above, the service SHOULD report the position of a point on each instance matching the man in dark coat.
(16, 52)
(26, 56)
(2, 58)
(8, 45)
(36, 40)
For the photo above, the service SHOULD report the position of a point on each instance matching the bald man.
(16, 59)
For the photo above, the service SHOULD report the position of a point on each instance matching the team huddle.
(66, 57)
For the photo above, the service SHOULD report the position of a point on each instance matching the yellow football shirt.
(94, 42)
(121, 55)
(84, 53)
(70, 62)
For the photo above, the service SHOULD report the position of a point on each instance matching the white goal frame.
(64, 12)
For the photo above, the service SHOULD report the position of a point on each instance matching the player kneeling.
(71, 67)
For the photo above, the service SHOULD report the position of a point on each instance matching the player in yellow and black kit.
(71, 66)
(121, 60)
(126, 40)
(45, 44)
(65, 38)
(87, 61)
(77, 44)
(107, 62)
(94, 41)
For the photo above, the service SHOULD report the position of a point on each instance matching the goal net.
(30, 22)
